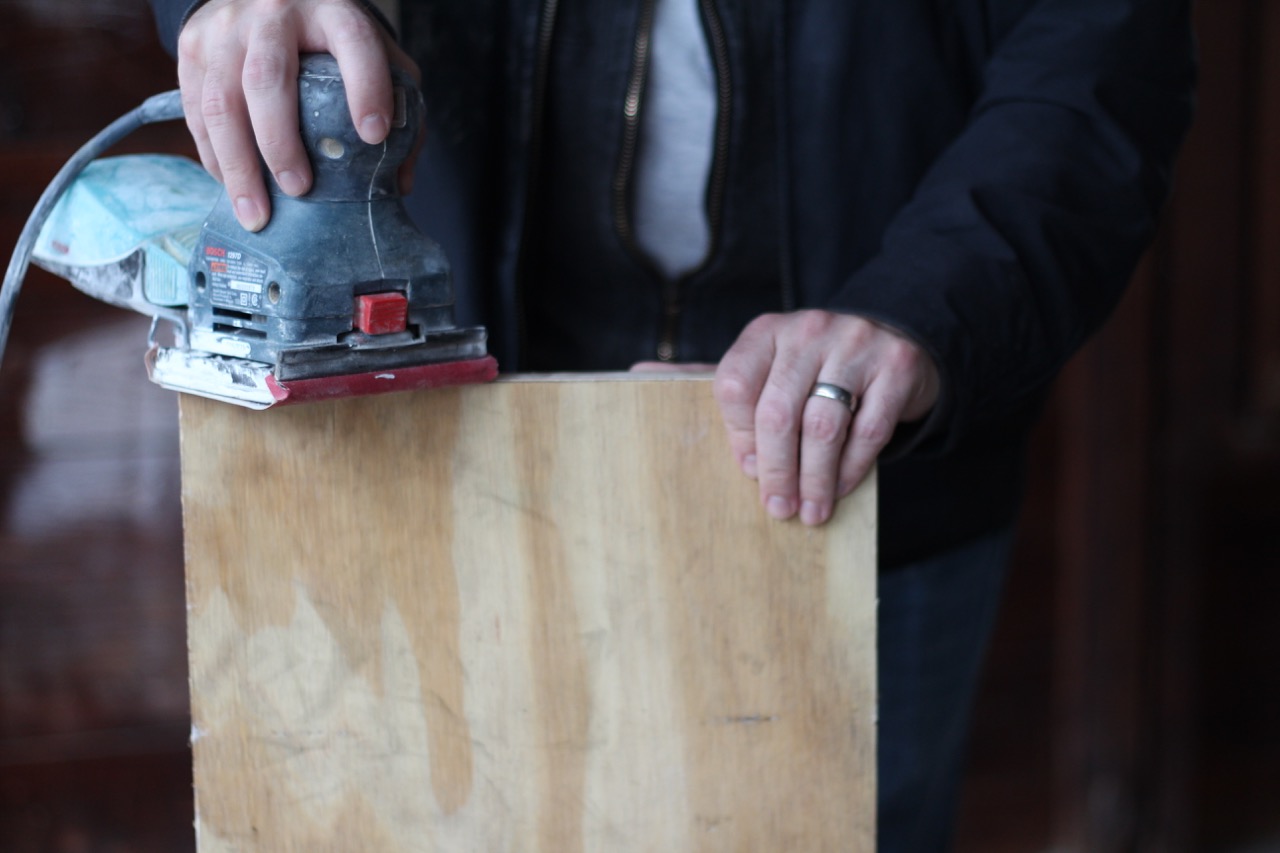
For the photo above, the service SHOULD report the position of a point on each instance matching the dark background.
(1133, 693)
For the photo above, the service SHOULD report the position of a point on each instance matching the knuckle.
(236, 177)
(817, 488)
(875, 431)
(264, 70)
(731, 388)
(813, 324)
(902, 356)
(776, 414)
(215, 105)
(274, 149)
(858, 332)
(823, 427)
(189, 47)
(213, 20)
(761, 325)
(353, 28)
(777, 476)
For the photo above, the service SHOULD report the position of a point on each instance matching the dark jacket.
(979, 174)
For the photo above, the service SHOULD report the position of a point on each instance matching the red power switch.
(382, 313)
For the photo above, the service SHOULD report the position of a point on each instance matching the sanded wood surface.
(538, 615)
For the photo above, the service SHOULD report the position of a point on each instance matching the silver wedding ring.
(832, 392)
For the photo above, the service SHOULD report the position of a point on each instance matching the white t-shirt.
(677, 128)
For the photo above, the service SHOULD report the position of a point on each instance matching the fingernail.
(814, 513)
(291, 183)
(845, 488)
(249, 214)
(779, 507)
(749, 465)
(373, 128)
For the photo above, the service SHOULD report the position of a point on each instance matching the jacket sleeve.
(1022, 235)
(172, 14)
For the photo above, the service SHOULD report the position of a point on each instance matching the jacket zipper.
(667, 349)
(541, 70)
(631, 128)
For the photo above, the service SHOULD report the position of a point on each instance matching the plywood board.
(540, 615)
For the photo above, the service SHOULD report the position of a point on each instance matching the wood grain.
(540, 615)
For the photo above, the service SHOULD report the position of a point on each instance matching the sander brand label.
(237, 279)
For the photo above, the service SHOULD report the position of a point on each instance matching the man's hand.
(238, 70)
(805, 451)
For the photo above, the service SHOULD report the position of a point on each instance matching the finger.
(739, 380)
(226, 118)
(824, 432)
(191, 84)
(779, 417)
(270, 80)
(356, 43)
(878, 413)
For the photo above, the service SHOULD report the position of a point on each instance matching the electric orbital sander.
(339, 295)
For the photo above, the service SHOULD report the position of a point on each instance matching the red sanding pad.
(415, 378)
